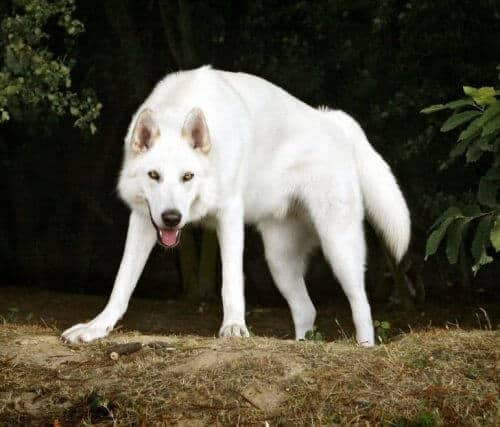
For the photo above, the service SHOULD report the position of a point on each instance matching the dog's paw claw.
(234, 330)
(84, 332)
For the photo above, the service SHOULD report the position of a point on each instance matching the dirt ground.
(175, 372)
(159, 316)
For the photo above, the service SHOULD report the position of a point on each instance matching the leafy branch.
(33, 79)
(479, 112)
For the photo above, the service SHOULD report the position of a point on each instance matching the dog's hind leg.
(338, 219)
(287, 244)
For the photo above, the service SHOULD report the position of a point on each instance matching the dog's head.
(167, 171)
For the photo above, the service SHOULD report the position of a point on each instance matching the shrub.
(34, 79)
(479, 115)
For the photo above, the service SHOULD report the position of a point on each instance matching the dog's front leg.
(141, 237)
(230, 232)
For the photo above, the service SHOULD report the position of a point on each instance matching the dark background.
(62, 226)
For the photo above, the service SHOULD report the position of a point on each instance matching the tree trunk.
(178, 26)
(400, 284)
(189, 265)
(465, 273)
(8, 244)
(198, 269)
(208, 265)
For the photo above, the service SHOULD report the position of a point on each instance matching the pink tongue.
(169, 237)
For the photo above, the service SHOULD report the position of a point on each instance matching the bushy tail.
(384, 202)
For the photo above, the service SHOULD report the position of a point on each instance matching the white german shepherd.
(228, 148)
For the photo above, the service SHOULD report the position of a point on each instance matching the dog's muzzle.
(169, 235)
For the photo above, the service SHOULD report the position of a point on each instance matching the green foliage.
(96, 401)
(314, 335)
(99, 406)
(14, 315)
(33, 78)
(479, 141)
(425, 418)
(382, 330)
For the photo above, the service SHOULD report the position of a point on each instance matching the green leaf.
(490, 112)
(483, 259)
(385, 325)
(471, 130)
(458, 103)
(455, 235)
(495, 234)
(487, 192)
(469, 90)
(449, 106)
(454, 241)
(474, 153)
(484, 96)
(436, 237)
(491, 127)
(11, 90)
(486, 91)
(460, 148)
(481, 237)
(452, 211)
(486, 143)
(433, 108)
(458, 119)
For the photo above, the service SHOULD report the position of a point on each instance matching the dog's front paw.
(234, 330)
(86, 332)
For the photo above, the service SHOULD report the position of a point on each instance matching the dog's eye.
(188, 176)
(154, 175)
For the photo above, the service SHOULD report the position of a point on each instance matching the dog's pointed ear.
(195, 130)
(146, 131)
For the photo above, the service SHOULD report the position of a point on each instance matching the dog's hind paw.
(234, 330)
(85, 332)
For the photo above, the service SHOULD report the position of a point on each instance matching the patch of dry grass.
(430, 378)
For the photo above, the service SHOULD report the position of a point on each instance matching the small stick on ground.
(160, 345)
(118, 350)
(122, 349)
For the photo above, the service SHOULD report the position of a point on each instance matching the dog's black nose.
(171, 217)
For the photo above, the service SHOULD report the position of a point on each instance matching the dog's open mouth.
(169, 237)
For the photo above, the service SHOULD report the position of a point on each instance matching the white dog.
(228, 148)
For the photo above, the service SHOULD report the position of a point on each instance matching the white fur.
(300, 174)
